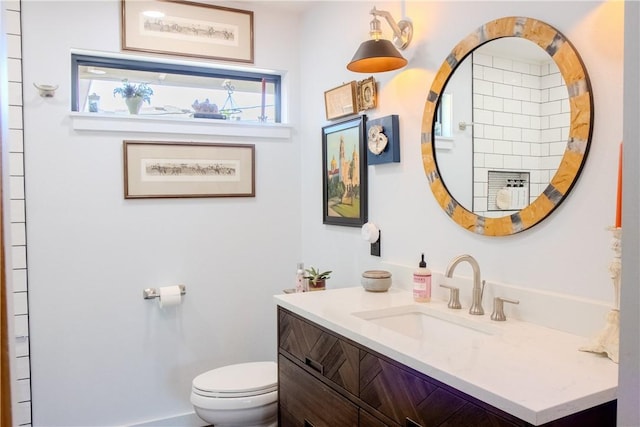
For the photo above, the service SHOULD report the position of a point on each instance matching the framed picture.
(383, 140)
(344, 173)
(341, 101)
(367, 94)
(174, 169)
(187, 29)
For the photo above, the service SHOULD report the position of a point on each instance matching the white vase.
(134, 104)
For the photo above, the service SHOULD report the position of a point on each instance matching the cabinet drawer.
(304, 401)
(324, 352)
(412, 400)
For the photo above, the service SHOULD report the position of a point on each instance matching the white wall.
(101, 355)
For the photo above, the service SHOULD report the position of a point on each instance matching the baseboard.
(189, 419)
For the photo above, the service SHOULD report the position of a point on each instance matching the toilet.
(245, 394)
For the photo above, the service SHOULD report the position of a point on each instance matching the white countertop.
(532, 372)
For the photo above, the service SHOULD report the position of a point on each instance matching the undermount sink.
(426, 324)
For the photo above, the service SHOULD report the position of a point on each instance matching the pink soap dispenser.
(422, 282)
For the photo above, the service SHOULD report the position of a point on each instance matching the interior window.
(178, 90)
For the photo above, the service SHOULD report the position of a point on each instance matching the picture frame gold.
(341, 101)
(367, 94)
(162, 169)
(186, 28)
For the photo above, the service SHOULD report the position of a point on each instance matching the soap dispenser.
(422, 282)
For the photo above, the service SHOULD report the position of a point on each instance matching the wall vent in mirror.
(528, 117)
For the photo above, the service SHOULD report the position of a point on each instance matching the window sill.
(178, 125)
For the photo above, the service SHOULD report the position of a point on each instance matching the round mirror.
(507, 126)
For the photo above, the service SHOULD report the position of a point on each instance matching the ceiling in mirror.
(507, 125)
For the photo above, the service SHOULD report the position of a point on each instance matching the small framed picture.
(175, 169)
(341, 101)
(367, 94)
(344, 173)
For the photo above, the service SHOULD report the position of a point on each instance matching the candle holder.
(607, 341)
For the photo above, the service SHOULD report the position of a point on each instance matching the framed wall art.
(344, 173)
(367, 94)
(187, 29)
(383, 140)
(341, 101)
(174, 169)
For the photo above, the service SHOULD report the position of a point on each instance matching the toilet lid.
(243, 379)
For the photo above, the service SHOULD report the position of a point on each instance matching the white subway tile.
(551, 135)
(557, 148)
(530, 135)
(513, 162)
(19, 282)
(502, 119)
(544, 122)
(23, 390)
(536, 149)
(492, 103)
(478, 100)
(481, 59)
(549, 108)
(536, 95)
(535, 69)
(522, 148)
(521, 93)
(503, 91)
(23, 413)
(482, 116)
(522, 121)
(534, 176)
(16, 165)
(14, 69)
(18, 234)
(483, 87)
(14, 46)
(494, 161)
(21, 347)
(479, 189)
(22, 368)
(512, 78)
(512, 106)
(17, 211)
(502, 63)
(493, 132)
(493, 75)
(478, 160)
(481, 145)
(531, 82)
(479, 204)
(15, 93)
(551, 162)
(502, 147)
(478, 130)
(559, 92)
(529, 163)
(481, 174)
(565, 133)
(11, 4)
(20, 305)
(535, 122)
(478, 71)
(530, 108)
(20, 327)
(12, 22)
(15, 117)
(544, 150)
(16, 187)
(521, 67)
(16, 144)
(544, 95)
(19, 256)
(513, 133)
(551, 80)
(560, 120)
(565, 105)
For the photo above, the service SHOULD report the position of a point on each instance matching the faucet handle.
(454, 297)
(498, 308)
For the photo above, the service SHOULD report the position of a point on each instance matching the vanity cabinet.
(325, 379)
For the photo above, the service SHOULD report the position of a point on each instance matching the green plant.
(130, 90)
(315, 275)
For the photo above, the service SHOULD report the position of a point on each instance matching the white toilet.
(243, 395)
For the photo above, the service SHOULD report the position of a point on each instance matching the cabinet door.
(320, 350)
(413, 401)
(304, 401)
(368, 420)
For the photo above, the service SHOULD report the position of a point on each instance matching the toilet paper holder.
(151, 293)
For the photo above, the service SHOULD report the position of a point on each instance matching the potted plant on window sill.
(317, 280)
(134, 95)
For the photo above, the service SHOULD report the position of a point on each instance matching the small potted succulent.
(317, 280)
(134, 95)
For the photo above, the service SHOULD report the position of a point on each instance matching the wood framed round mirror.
(492, 182)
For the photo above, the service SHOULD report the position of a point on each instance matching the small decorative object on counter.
(206, 110)
(134, 95)
(422, 282)
(316, 279)
(376, 280)
(300, 280)
(94, 102)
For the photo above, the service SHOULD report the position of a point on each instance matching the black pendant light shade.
(376, 56)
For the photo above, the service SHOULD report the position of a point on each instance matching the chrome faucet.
(478, 289)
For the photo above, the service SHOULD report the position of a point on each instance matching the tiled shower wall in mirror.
(22, 388)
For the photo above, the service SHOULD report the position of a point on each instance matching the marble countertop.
(532, 372)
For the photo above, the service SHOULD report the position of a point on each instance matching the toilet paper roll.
(169, 296)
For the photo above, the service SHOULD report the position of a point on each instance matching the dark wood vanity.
(328, 380)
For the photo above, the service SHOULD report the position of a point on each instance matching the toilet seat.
(237, 381)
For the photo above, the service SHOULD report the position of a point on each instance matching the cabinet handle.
(314, 365)
(307, 423)
(408, 422)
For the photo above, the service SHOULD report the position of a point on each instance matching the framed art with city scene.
(344, 173)
(159, 169)
(186, 28)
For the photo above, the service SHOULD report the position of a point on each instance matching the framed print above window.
(344, 173)
(186, 28)
(175, 169)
